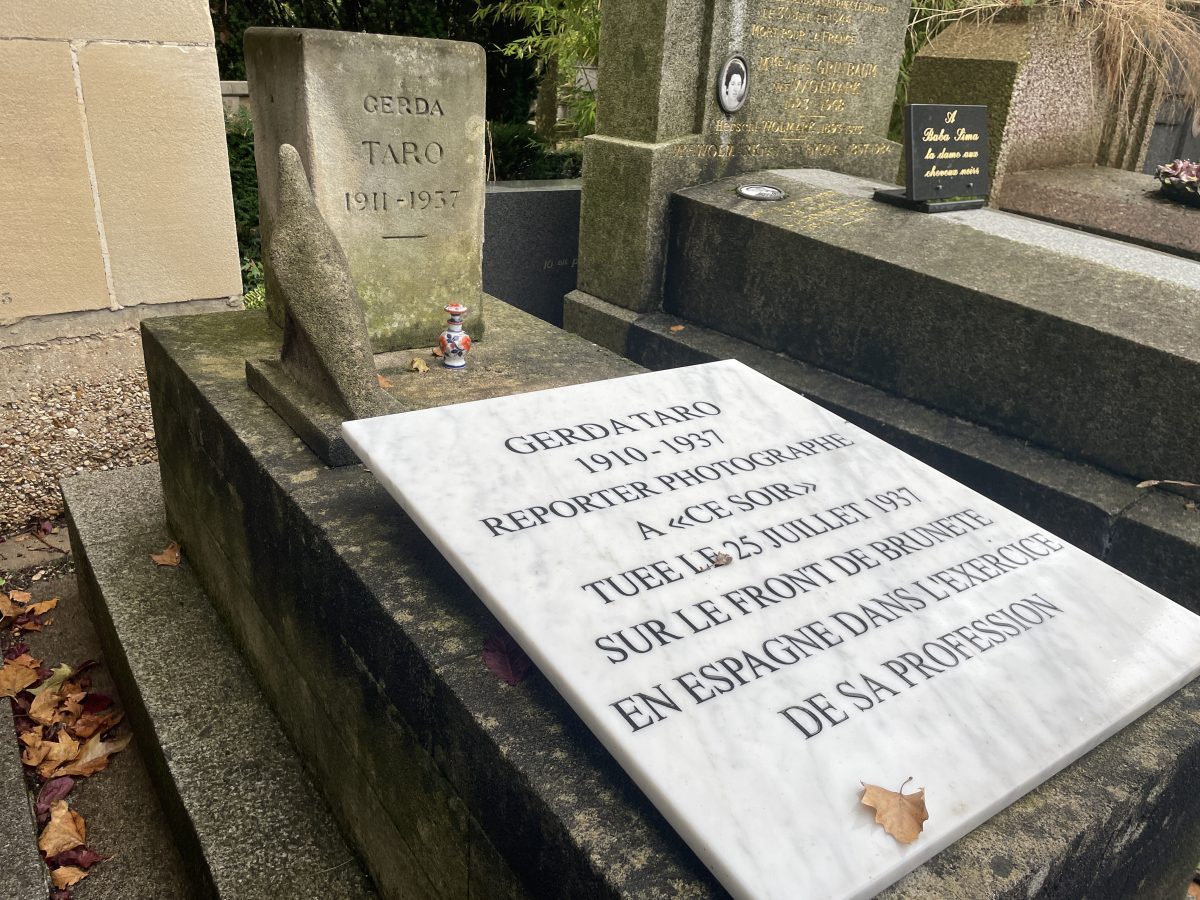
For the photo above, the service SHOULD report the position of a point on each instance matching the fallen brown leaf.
(722, 559)
(901, 815)
(678, 327)
(1154, 482)
(94, 756)
(45, 606)
(65, 876)
(21, 597)
(169, 556)
(35, 749)
(384, 381)
(418, 365)
(63, 750)
(90, 723)
(15, 678)
(44, 707)
(8, 608)
(64, 830)
(438, 352)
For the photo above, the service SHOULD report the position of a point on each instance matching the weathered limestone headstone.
(391, 131)
(805, 82)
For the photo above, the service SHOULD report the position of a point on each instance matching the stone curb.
(248, 820)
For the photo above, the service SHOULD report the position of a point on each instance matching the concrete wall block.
(50, 256)
(182, 21)
(161, 170)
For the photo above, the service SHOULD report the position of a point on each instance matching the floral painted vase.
(454, 341)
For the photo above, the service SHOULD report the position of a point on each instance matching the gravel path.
(66, 407)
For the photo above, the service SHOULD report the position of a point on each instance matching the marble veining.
(869, 620)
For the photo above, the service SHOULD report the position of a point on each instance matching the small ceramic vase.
(454, 341)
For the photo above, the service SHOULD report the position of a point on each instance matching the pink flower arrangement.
(1180, 181)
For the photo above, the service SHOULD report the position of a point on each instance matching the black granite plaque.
(945, 158)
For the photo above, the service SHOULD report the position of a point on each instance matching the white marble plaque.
(756, 606)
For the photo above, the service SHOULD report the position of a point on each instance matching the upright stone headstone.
(390, 130)
(780, 83)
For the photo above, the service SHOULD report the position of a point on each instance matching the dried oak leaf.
(44, 607)
(505, 659)
(90, 723)
(63, 750)
(44, 707)
(169, 556)
(9, 609)
(384, 381)
(64, 831)
(418, 365)
(35, 748)
(95, 755)
(901, 815)
(65, 876)
(15, 678)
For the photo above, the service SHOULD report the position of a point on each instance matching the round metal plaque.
(733, 84)
(760, 192)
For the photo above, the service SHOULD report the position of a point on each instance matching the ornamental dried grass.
(1163, 35)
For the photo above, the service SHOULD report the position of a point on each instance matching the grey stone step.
(247, 818)
(22, 875)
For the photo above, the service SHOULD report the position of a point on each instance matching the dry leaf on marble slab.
(901, 815)
(65, 876)
(418, 365)
(384, 381)
(64, 831)
(169, 556)
(722, 559)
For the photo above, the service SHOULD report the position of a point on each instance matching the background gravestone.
(390, 130)
(822, 78)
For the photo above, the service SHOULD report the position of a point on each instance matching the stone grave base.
(1110, 202)
(451, 783)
